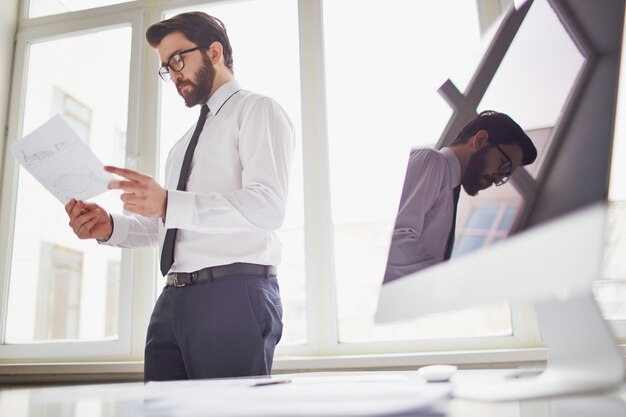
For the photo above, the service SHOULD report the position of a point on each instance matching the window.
(61, 288)
(537, 60)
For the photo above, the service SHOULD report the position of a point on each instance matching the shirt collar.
(222, 94)
(454, 164)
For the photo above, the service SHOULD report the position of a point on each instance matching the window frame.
(323, 349)
(31, 31)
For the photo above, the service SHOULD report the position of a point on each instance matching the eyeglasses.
(505, 169)
(176, 63)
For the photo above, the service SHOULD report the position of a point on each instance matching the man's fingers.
(69, 206)
(90, 206)
(129, 197)
(126, 173)
(85, 229)
(79, 222)
(124, 185)
(77, 210)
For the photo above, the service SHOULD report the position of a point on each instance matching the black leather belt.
(181, 279)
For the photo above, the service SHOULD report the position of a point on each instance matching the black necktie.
(455, 196)
(167, 254)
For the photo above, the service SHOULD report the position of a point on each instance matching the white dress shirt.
(237, 188)
(425, 214)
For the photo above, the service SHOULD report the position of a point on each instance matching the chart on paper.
(56, 156)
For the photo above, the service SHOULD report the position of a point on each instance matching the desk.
(307, 394)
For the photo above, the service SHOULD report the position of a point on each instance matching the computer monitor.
(555, 253)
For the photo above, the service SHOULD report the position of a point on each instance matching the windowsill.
(121, 371)
(70, 372)
(491, 358)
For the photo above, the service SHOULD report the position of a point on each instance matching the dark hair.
(198, 27)
(502, 130)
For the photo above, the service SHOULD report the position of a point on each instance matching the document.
(299, 396)
(360, 394)
(60, 160)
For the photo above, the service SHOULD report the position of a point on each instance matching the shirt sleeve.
(266, 141)
(408, 252)
(133, 232)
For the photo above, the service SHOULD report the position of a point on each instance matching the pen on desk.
(271, 382)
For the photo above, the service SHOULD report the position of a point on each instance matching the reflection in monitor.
(556, 230)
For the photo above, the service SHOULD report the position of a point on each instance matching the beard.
(474, 173)
(201, 89)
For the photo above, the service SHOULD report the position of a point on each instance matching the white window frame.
(322, 350)
(31, 31)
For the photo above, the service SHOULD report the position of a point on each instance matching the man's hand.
(89, 220)
(142, 194)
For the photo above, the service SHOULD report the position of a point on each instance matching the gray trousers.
(225, 327)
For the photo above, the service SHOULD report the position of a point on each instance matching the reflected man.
(226, 182)
(486, 151)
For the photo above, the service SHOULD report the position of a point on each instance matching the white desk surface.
(306, 394)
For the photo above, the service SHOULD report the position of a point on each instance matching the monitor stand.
(583, 355)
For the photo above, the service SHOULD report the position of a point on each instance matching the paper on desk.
(55, 155)
(306, 396)
(300, 397)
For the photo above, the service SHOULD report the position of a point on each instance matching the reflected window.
(482, 218)
(112, 298)
(58, 293)
(536, 77)
(468, 243)
(77, 115)
(485, 225)
(610, 287)
(507, 218)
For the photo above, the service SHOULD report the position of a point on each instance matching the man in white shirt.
(226, 182)
(485, 152)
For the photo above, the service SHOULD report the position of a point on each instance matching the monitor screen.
(567, 109)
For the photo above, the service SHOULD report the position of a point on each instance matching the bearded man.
(486, 151)
(225, 192)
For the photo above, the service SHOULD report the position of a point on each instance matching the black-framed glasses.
(176, 63)
(505, 169)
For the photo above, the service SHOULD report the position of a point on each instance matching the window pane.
(383, 101)
(461, 75)
(277, 20)
(60, 287)
(467, 244)
(38, 8)
(610, 288)
(507, 218)
(491, 213)
(542, 58)
(482, 218)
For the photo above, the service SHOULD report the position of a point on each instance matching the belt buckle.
(190, 278)
(176, 283)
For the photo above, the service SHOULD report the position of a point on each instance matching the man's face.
(195, 81)
(484, 167)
